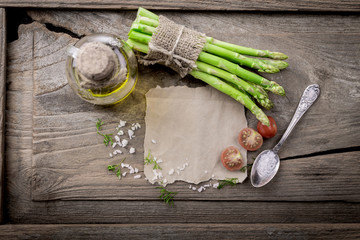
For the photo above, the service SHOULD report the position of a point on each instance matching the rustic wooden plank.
(58, 128)
(22, 210)
(2, 105)
(228, 5)
(183, 231)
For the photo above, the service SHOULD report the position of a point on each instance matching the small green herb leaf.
(228, 181)
(247, 167)
(107, 137)
(166, 196)
(150, 160)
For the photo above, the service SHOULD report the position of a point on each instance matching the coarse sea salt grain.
(114, 145)
(136, 170)
(117, 138)
(205, 171)
(122, 123)
(137, 176)
(120, 133)
(190, 187)
(132, 150)
(153, 141)
(110, 154)
(131, 133)
(124, 174)
(124, 142)
(171, 172)
(215, 185)
(194, 188)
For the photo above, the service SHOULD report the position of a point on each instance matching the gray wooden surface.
(181, 231)
(2, 105)
(53, 153)
(229, 5)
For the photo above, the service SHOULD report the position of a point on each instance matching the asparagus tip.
(277, 56)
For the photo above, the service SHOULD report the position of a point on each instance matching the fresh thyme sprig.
(228, 181)
(150, 160)
(247, 167)
(116, 168)
(107, 137)
(166, 196)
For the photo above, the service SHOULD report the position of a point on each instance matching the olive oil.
(101, 69)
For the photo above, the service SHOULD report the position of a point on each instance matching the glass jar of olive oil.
(101, 69)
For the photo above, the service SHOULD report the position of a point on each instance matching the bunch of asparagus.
(218, 66)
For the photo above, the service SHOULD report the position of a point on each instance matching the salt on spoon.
(267, 162)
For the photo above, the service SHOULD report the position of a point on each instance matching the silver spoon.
(267, 162)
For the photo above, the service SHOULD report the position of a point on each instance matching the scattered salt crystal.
(122, 123)
(136, 170)
(117, 138)
(124, 142)
(120, 133)
(126, 165)
(133, 128)
(212, 176)
(137, 176)
(137, 125)
(178, 172)
(200, 189)
(194, 188)
(207, 185)
(186, 164)
(131, 133)
(215, 185)
(206, 171)
(114, 145)
(122, 165)
(164, 181)
(159, 161)
(131, 170)
(132, 150)
(124, 174)
(153, 141)
(118, 151)
(190, 187)
(171, 172)
(110, 154)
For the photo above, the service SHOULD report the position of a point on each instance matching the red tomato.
(231, 158)
(267, 131)
(250, 139)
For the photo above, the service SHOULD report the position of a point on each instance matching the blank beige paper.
(186, 131)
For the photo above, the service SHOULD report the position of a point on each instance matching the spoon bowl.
(267, 163)
(265, 167)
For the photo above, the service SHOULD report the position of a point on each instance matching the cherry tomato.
(267, 131)
(231, 158)
(250, 139)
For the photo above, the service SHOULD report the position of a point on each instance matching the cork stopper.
(96, 63)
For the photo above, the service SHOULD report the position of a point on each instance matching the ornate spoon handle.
(309, 96)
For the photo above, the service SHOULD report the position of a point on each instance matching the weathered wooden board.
(183, 231)
(30, 103)
(257, 5)
(2, 105)
(63, 125)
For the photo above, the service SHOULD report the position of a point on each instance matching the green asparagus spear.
(260, 96)
(232, 92)
(233, 47)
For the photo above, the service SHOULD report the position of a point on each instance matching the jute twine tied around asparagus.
(174, 45)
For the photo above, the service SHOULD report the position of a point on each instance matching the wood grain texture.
(46, 123)
(228, 5)
(182, 231)
(2, 105)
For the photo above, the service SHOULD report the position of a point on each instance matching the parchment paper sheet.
(193, 126)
